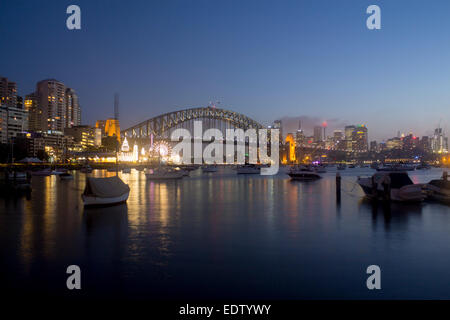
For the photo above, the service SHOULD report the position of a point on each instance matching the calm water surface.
(221, 235)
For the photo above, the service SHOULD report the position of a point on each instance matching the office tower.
(73, 117)
(13, 121)
(439, 143)
(299, 135)
(349, 132)
(318, 134)
(8, 92)
(34, 114)
(373, 146)
(278, 125)
(360, 139)
(53, 106)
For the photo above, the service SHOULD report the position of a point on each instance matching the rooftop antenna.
(116, 106)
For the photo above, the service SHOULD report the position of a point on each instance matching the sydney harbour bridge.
(161, 127)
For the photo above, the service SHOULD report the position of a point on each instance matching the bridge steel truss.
(160, 124)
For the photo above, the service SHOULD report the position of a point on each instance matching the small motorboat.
(401, 187)
(17, 176)
(66, 176)
(303, 173)
(396, 168)
(248, 169)
(341, 166)
(58, 172)
(352, 166)
(209, 168)
(105, 191)
(164, 174)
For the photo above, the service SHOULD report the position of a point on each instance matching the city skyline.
(294, 66)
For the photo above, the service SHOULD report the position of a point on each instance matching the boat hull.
(166, 176)
(92, 201)
(304, 176)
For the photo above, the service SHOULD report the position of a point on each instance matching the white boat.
(164, 174)
(17, 176)
(58, 172)
(105, 191)
(401, 186)
(248, 169)
(303, 173)
(400, 167)
(209, 168)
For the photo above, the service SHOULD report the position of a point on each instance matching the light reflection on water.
(223, 235)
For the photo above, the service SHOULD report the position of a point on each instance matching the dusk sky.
(265, 59)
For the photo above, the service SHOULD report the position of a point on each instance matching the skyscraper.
(54, 107)
(8, 92)
(439, 143)
(318, 134)
(360, 138)
(73, 118)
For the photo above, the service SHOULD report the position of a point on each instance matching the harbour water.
(223, 235)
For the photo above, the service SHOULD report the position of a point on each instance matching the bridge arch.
(162, 123)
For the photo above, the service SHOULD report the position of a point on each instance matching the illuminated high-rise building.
(8, 93)
(53, 107)
(318, 134)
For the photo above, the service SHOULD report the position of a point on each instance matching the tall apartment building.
(13, 121)
(53, 107)
(8, 92)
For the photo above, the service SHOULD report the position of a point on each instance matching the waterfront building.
(85, 135)
(54, 107)
(8, 92)
(13, 121)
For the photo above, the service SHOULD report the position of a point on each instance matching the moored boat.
(395, 186)
(105, 191)
(164, 174)
(248, 169)
(303, 173)
(209, 168)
